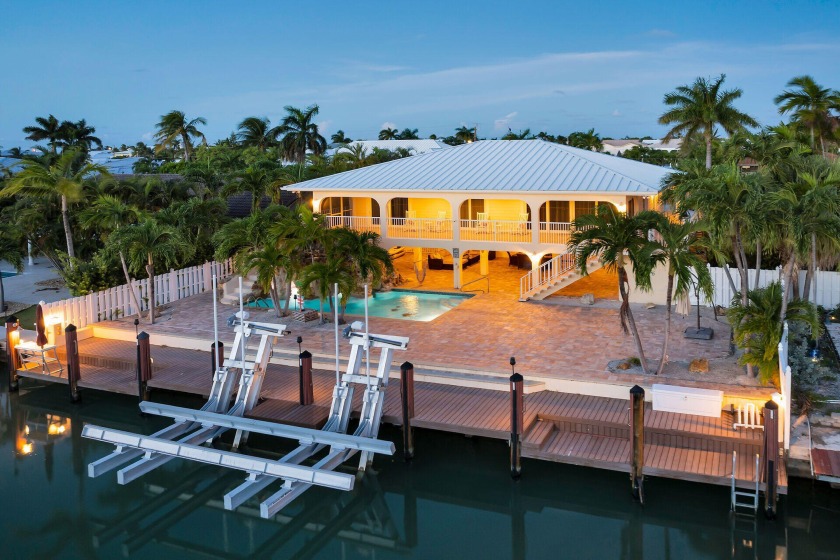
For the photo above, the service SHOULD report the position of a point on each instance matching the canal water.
(455, 500)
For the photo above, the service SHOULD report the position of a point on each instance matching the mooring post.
(771, 457)
(307, 395)
(407, 399)
(217, 357)
(74, 372)
(517, 404)
(12, 339)
(144, 365)
(637, 441)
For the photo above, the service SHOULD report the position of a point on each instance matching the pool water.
(6, 274)
(395, 304)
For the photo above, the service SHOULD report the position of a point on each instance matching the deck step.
(540, 432)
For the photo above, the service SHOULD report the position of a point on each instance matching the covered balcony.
(420, 218)
(356, 213)
(506, 221)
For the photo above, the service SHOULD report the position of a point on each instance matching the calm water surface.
(455, 500)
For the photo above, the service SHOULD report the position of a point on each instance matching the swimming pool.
(395, 304)
(7, 274)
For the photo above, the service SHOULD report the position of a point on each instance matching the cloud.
(324, 126)
(616, 113)
(504, 122)
(387, 124)
(148, 136)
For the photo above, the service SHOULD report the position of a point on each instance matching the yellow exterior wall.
(504, 209)
(429, 207)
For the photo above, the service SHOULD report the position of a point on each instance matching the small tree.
(11, 251)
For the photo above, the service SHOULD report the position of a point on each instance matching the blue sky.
(554, 66)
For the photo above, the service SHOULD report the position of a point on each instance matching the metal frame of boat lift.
(213, 419)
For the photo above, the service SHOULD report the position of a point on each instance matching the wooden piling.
(307, 395)
(12, 339)
(74, 372)
(217, 357)
(517, 404)
(771, 458)
(407, 399)
(144, 365)
(637, 442)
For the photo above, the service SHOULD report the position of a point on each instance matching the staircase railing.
(479, 279)
(545, 274)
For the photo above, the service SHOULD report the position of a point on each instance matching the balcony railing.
(420, 228)
(513, 231)
(555, 232)
(357, 223)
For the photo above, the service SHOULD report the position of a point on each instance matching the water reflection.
(455, 500)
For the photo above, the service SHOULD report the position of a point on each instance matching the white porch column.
(535, 224)
(484, 263)
(383, 215)
(456, 268)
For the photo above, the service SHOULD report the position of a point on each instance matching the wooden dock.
(561, 427)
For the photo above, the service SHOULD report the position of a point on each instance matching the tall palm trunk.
(812, 269)
(787, 272)
(288, 297)
(708, 138)
(668, 300)
(150, 270)
(626, 315)
(68, 233)
(130, 283)
(758, 249)
(2, 296)
(185, 139)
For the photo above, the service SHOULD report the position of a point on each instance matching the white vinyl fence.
(117, 302)
(825, 286)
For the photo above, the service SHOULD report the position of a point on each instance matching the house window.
(631, 207)
(584, 207)
(337, 206)
(399, 206)
(555, 211)
(471, 208)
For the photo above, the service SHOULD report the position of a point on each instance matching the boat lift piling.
(74, 372)
(517, 405)
(217, 356)
(307, 395)
(407, 401)
(144, 365)
(637, 442)
(771, 458)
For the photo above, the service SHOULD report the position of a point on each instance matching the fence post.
(305, 375)
(74, 372)
(12, 339)
(207, 271)
(144, 365)
(771, 457)
(516, 419)
(637, 442)
(407, 399)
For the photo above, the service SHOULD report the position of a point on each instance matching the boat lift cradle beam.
(219, 401)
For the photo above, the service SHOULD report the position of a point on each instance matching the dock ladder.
(740, 498)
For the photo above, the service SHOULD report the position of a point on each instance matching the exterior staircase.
(230, 289)
(551, 276)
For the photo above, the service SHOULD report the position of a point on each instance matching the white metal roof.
(414, 146)
(500, 166)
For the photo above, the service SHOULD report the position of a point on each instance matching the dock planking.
(560, 427)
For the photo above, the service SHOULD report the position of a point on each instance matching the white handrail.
(546, 273)
(420, 228)
(495, 230)
(357, 223)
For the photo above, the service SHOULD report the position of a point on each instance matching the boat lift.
(198, 427)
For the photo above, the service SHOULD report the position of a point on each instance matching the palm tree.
(273, 266)
(78, 135)
(174, 127)
(340, 138)
(811, 105)
(369, 260)
(389, 134)
(300, 134)
(408, 134)
(324, 275)
(149, 243)
(255, 181)
(680, 248)
(47, 128)
(11, 251)
(617, 240)
(521, 135)
(589, 140)
(356, 155)
(106, 215)
(757, 326)
(64, 180)
(465, 134)
(698, 108)
(257, 132)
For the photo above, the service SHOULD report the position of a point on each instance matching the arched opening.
(357, 213)
(419, 218)
(495, 220)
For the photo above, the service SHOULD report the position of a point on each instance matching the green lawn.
(27, 317)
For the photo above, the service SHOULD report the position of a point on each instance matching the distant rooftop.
(500, 166)
(414, 146)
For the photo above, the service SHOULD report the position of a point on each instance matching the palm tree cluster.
(285, 245)
(60, 135)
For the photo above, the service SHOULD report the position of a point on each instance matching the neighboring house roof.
(165, 177)
(239, 205)
(414, 146)
(500, 166)
(622, 143)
